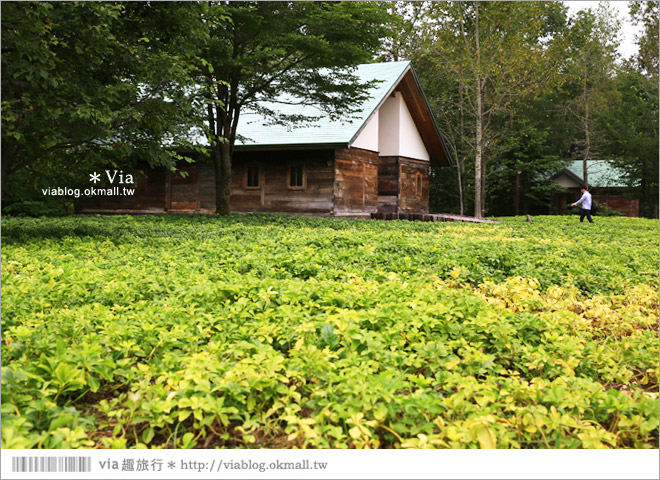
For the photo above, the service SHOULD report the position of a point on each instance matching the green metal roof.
(256, 130)
(601, 173)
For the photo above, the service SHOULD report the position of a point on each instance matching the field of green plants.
(280, 332)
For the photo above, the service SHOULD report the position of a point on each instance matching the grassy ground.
(276, 331)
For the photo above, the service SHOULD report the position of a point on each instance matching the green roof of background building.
(601, 173)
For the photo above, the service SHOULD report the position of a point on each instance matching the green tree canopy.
(86, 82)
(630, 125)
(646, 14)
(266, 49)
(487, 58)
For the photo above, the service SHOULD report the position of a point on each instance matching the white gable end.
(388, 132)
(368, 137)
(411, 144)
(565, 181)
(391, 131)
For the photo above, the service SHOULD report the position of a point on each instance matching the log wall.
(343, 182)
(189, 190)
(630, 208)
(388, 184)
(274, 194)
(150, 195)
(355, 182)
(412, 199)
(183, 189)
(206, 187)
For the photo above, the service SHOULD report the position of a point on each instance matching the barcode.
(51, 464)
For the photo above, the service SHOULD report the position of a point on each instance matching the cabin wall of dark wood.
(183, 189)
(388, 184)
(355, 182)
(274, 193)
(411, 200)
(388, 175)
(340, 182)
(191, 189)
(560, 201)
(188, 190)
(206, 187)
(618, 202)
(149, 196)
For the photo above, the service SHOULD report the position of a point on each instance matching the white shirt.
(585, 200)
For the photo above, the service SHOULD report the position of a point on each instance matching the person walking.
(585, 200)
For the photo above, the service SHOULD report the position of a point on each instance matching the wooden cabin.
(377, 160)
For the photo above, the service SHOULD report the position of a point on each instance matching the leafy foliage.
(482, 60)
(631, 124)
(278, 331)
(90, 84)
(528, 153)
(645, 13)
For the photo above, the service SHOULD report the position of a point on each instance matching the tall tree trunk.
(478, 158)
(459, 156)
(222, 152)
(516, 198)
(478, 199)
(484, 175)
(587, 133)
(221, 156)
(460, 186)
(395, 46)
(222, 166)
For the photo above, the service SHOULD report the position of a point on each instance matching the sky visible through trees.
(628, 48)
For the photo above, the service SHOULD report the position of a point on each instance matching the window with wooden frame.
(251, 178)
(297, 179)
(419, 180)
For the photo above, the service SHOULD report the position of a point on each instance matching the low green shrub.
(279, 331)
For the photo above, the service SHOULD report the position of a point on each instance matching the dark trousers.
(586, 213)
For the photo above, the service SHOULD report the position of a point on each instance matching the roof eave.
(444, 159)
(568, 173)
(380, 104)
(447, 153)
(290, 146)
